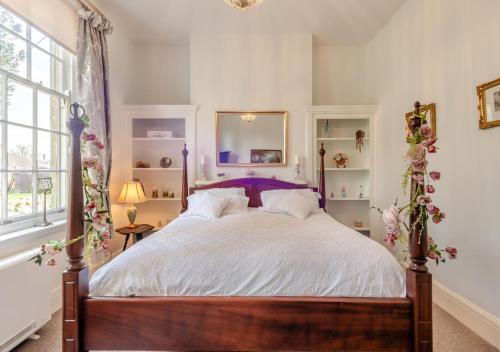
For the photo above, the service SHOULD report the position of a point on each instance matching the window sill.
(31, 233)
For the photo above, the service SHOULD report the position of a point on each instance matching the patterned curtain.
(93, 94)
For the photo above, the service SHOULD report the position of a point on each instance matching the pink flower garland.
(394, 218)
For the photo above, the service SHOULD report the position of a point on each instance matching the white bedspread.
(253, 254)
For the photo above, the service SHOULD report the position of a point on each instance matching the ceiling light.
(243, 4)
(248, 117)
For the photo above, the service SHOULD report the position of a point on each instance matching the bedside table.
(137, 231)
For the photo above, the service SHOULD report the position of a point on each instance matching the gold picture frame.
(431, 120)
(489, 104)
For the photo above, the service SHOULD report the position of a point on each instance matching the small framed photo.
(265, 156)
(489, 104)
(430, 111)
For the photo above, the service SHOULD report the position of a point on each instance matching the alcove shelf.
(179, 122)
(335, 128)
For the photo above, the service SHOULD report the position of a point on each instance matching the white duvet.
(253, 254)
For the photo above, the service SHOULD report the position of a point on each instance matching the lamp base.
(132, 214)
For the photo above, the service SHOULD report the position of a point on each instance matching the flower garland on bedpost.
(96, 215)
(409, 222)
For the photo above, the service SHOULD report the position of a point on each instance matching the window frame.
(67, 72)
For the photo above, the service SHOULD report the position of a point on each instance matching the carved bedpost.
(185, 190)
(75, 277)
(322, 190)
(418, 279)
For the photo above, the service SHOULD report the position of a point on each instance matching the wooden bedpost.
(418, 279)
(185, 189)
(75, 277)
(322, 191)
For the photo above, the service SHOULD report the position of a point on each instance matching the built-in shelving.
(179, 121)
(175, 199)
(335, 128)
(157, 169)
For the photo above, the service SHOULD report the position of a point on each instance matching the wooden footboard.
(247, 324)
(240, 323)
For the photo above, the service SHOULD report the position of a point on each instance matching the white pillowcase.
(298, 203)
(205, 205)
(223, 191)
(237, 201)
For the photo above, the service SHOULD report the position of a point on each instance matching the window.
(35, 80)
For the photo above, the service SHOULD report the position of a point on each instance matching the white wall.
(161, 74)
(339, 75)
(439, 51)
(251, 72)
(54, 17)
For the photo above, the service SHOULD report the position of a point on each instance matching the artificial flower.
(452, 252)
(435, 175)
(425, 131)
(51, 262)
(391, 218)
(415, 154)
(419, 166)
(438, 217)
(419, 178)
(423, 200)
(91, 161)
(430, 189)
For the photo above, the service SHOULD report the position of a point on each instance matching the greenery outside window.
(36, 76)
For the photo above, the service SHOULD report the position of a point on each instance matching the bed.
(246, 282)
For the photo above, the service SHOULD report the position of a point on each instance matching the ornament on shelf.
(142, 165)
(332, 195)
(360, 137)
(171, 194)
(326, 129)
(154, 193)
(165, 162)
(203, 164)
(340, 160)
(164, 194)
(361, 191)
(297, 167)
(221, 176)
(250, 173)
(358, 223)
(343, 192)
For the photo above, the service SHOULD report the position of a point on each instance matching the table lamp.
(131, 194)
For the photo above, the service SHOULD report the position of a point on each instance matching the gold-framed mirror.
(251, 138)
(489, 104)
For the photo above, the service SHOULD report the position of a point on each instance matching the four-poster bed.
(240, 323)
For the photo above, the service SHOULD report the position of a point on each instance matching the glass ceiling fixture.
(248, 117)
(243, 4)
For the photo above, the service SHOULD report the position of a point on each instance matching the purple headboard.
(253, 186)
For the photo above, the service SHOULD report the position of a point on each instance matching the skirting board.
(55, 299)
(474, 317)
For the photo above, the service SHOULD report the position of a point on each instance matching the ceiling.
(332, 22)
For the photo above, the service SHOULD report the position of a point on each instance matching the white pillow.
(237, 201)
(222, 191)
(298, 203)
(206, 205)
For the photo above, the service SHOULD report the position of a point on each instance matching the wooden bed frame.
(239, 323)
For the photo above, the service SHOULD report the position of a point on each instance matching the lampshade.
(132, 193)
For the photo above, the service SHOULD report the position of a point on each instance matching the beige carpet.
(449, 335)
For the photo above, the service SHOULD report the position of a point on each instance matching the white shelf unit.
(181, 121)
(343, 122)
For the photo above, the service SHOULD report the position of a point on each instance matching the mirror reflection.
(251, 138)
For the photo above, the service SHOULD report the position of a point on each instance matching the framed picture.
(265, 156)
(430, 111)
(489, 104)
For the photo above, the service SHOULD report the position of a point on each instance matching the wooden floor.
(449, 336)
